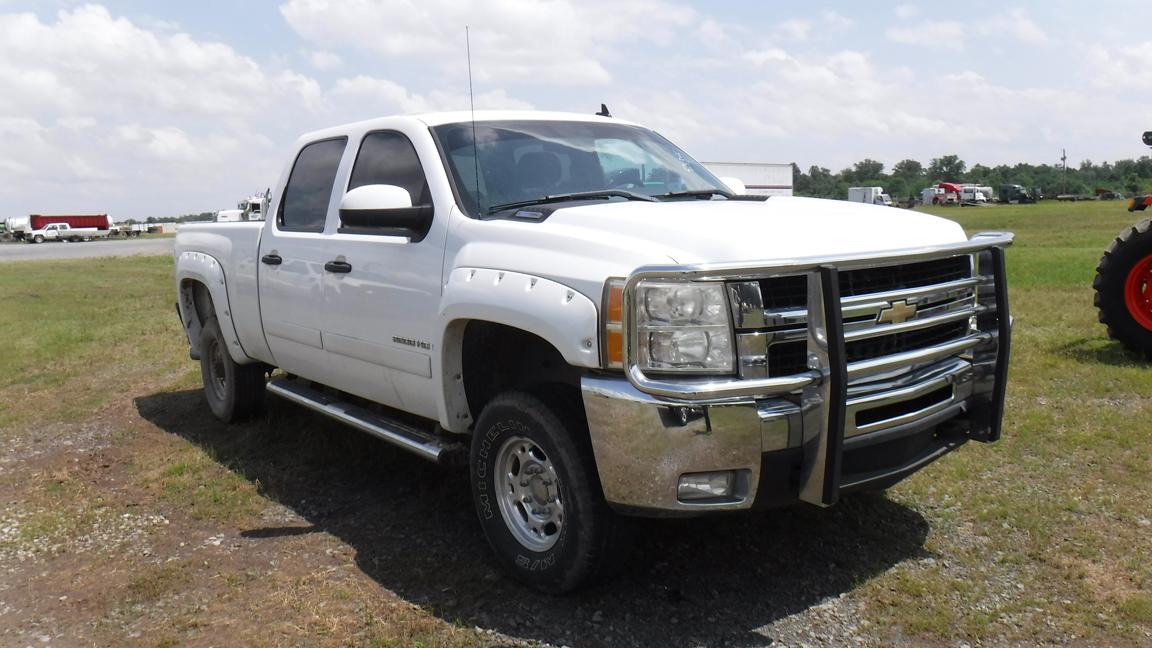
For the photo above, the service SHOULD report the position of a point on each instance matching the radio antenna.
(472, 105)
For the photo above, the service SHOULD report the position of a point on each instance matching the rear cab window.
(309, 189)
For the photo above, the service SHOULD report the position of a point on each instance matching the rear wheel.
(1124, 288)
(535, 489)
(235, 392)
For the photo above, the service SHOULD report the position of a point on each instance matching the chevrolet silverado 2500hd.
(591, 322)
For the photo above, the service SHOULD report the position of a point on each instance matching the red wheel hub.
(1138, 292)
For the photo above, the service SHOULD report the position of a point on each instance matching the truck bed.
(235, 247)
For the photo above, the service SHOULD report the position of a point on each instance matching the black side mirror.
(1147, 138)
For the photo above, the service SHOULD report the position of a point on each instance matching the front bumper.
(836, 428)
(644, 444)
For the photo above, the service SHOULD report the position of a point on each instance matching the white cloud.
(109, 106)
(763, 57)
(375, 96)
(711, 33)
(1019, 25)
(936, 34)
(836, 20)
(89, 61)
(907, 11)
(796, 30)
(1124, 66)
(542, 41)
(324, 60)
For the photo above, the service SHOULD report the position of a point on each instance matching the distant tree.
(866, 170)
(908, 169)
(801, 182)
(948, 168)
(825, 184)
(1132, 183)
(979, 174)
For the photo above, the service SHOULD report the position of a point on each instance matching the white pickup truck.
(64, 232)
(591, 322)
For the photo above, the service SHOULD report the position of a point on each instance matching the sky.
(140, 108)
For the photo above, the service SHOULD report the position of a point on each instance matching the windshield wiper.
(697, 194)
(577, 195)
(713, 192)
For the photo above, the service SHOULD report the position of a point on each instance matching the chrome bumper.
(647, 433)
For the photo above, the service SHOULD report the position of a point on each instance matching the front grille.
(784, 293)
(894, 410)
(789, 358)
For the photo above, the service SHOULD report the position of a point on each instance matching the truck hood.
(695, 231)
(584, 244)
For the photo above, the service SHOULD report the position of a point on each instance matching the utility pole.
(1064, 161)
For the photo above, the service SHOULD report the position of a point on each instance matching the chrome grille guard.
(823, 388)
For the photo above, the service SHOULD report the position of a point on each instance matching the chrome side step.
(393, 431)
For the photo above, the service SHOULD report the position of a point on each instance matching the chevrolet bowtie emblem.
(897, 312)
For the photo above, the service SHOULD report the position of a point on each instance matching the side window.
(388, 158)
(305, 203)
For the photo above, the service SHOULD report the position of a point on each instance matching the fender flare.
(559, 315)
(197, 267)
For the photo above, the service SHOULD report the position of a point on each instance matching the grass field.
(1044, 537)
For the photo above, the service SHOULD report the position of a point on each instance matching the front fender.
(559, 315)
(205, 269)
(562, 316)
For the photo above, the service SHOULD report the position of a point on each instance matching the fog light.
(709, 485)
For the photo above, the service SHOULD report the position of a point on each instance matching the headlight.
(683, 327)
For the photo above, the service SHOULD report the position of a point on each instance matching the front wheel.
(235, 392)
(38, 239)
(1124, 288)
(535, 489)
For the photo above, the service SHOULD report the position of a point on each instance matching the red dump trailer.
(99, 221)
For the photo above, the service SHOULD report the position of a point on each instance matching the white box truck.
(869, 196)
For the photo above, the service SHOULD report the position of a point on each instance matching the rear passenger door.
(293, 252)
(379, 313)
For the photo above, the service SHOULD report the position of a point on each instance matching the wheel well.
(497, 358)
(196, 309)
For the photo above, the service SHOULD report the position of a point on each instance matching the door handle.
(338, 266)
(271, 259)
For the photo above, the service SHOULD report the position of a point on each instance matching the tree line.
(908, 177)
(185, 218)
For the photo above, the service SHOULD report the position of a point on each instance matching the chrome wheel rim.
(529, 494)
(217, 376)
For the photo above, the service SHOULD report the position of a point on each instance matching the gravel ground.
(109, 248)
(343, 520)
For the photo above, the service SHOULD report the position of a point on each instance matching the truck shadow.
(411, 524)
(1099, 350)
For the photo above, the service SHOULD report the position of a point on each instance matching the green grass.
(195, 482)
(1054, 517)
(78, 331)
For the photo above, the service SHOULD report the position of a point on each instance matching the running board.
(393, 431)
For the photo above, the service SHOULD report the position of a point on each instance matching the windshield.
(524, 161)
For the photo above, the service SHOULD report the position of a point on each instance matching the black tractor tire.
(235, 392)
(545, 439)
(1123, 287)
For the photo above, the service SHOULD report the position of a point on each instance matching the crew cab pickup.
(594, 325)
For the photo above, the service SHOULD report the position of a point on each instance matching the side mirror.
(383, 210)
(735, 185)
